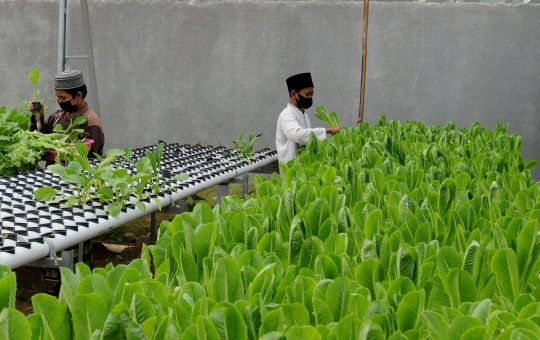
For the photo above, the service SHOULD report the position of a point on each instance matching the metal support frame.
(223, 188)
(67, 260)
(53, 261)
(269, 168)
(179, 208)
(62, 58)
(62, 35)
(153, 234)
(81, 252)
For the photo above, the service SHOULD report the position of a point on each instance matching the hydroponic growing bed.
(387, 231)
(28, 227)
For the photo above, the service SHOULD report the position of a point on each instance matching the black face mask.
(67, 106)
(304, 102)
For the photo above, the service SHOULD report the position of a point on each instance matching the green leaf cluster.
(113, 185)
(245, 148)
(329, 118)
(388, 231)
(35, 76)
(72, 132)
(20, 149)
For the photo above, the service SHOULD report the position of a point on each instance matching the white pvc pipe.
(24, 256)
(38, 251)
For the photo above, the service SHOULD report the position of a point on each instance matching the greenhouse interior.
(260, 169)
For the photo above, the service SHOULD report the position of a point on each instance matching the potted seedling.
(34, 78)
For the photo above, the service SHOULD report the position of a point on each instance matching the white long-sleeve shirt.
(293, 128)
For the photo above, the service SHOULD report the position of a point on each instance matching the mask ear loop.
(77, 100)
(297, 98)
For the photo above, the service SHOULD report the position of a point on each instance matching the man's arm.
(334, 129)
(45, 127)
(298, 134)
(39, 116)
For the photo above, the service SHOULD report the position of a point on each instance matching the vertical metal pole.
(184, 206)
(222, 190)
(61, 35)
(153, 234)
(364, 60)
(245, 185)
(90, 52)
(68, 260)
(81, 252)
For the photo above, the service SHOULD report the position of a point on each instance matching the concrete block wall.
(206, 70)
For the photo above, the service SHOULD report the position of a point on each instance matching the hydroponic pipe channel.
(25, 224)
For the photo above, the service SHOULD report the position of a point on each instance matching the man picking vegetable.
(70, 90)
(293, 126)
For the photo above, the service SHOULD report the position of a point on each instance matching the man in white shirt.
(293, 126)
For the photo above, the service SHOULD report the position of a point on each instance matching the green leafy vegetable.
(330, 119)
(244, 148)
(387, 231)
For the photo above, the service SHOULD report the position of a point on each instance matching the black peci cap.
(299, 82)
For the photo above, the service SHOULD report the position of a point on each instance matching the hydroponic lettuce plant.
(116, 186)
(153, 166)
(113, 185)
(82, 177)
(393, 231)
(245, 148)
(330, 119)
(72, 133)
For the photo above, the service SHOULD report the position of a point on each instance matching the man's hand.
(334, 129)
(31, 107)
(38, 114)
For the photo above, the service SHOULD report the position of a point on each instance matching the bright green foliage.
(73, 130)
(111, 185)
(20, 149)
(13, 325)
(8, 285)
(398, 231)
(245, 148)
(330, 119)
(35, 76)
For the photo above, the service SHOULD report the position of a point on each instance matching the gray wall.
(206, 71)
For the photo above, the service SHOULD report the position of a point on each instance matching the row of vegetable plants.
(115, 179)
(388, 230)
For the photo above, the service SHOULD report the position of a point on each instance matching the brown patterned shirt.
(92, 127)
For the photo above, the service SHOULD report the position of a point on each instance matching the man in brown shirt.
(70, 91)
